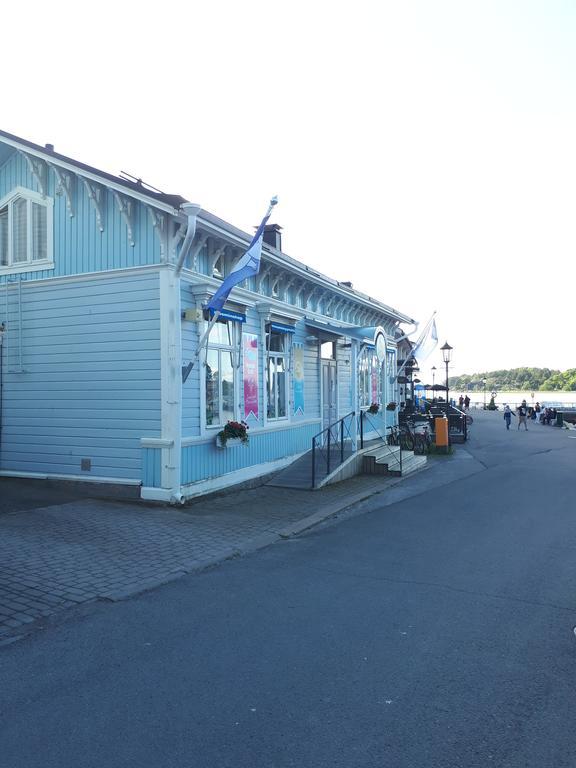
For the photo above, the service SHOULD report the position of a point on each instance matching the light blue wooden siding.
(391, 417)
(152, 467)
(90, 380)
(79, 246)
(204, 460)
(374, 424)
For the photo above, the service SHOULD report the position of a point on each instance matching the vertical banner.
(250, 349)
(298, 379)
(375, 398)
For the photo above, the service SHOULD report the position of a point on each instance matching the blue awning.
(364, 334)
(282, 328)
(228, 314)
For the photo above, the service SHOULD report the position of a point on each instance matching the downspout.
(171, 369)
(191, 210)
(405, 335)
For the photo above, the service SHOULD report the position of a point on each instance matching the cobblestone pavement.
(67, 554)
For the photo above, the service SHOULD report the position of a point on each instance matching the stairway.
(375, 459)
(299, 473)
(385, 460)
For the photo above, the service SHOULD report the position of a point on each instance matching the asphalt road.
(434, 630)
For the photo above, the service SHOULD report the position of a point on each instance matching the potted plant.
(234, 433)
(391, 407)
(374, 408)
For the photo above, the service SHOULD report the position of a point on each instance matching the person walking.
(466, 402)
(538, 411)
(507, 415)
(522, 411)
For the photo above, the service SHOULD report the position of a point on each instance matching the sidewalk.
(70, 553)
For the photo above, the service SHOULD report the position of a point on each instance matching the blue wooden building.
(97, 328)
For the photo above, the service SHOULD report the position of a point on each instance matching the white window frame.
(233, 350)
(286, 355)
(29, 265)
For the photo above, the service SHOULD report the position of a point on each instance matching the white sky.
(424, 150)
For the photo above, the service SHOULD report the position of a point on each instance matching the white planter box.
(232, 442)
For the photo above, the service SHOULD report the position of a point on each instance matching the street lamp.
(484, 385)
(433, 369)
(446, 356)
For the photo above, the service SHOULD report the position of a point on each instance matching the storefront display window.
(370, 379)
(277, 346)
(220, 375)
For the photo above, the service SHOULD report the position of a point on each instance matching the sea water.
(550, 399)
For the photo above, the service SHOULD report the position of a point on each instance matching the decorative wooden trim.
(97, 196)
(199, 243)
(66, 183)
(261, 277)
(213, 259)
(178, 234)
(126, 208)
(38, 169)
(158, 220)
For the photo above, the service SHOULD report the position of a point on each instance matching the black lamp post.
(433, 369)
(446, 356)
(484, 385)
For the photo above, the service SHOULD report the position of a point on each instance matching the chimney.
(49, 147)
(272, 236)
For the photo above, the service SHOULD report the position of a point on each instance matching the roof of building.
(139, 189)
(133, 186)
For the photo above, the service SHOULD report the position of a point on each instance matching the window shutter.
(20, 230)
(4, 238)
(39, 232)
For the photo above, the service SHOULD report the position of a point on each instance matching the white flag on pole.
(426, 344)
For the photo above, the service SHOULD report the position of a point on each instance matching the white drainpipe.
(171, 366)
(191, 210)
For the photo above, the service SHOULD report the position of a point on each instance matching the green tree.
(515, 379)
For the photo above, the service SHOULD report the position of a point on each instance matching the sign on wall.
(298, 379)
(250, 349)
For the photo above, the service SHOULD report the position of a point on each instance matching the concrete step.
(410, 464)
(384, 462)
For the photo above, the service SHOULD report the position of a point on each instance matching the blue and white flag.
(248, 265)
(427, 343)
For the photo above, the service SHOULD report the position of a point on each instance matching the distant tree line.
(516, 379)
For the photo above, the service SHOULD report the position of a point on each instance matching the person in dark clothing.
(466, 402)
(522, 412)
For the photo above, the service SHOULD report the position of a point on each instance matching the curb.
(248, 547)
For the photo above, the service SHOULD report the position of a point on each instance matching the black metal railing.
(458, 423)
(329, 446)
(390, 437)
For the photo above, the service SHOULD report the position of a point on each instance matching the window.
(369, 379)
(220, 375)
(277, 349)
(328, 350)
(25, 231)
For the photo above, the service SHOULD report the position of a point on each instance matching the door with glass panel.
(329, 388)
